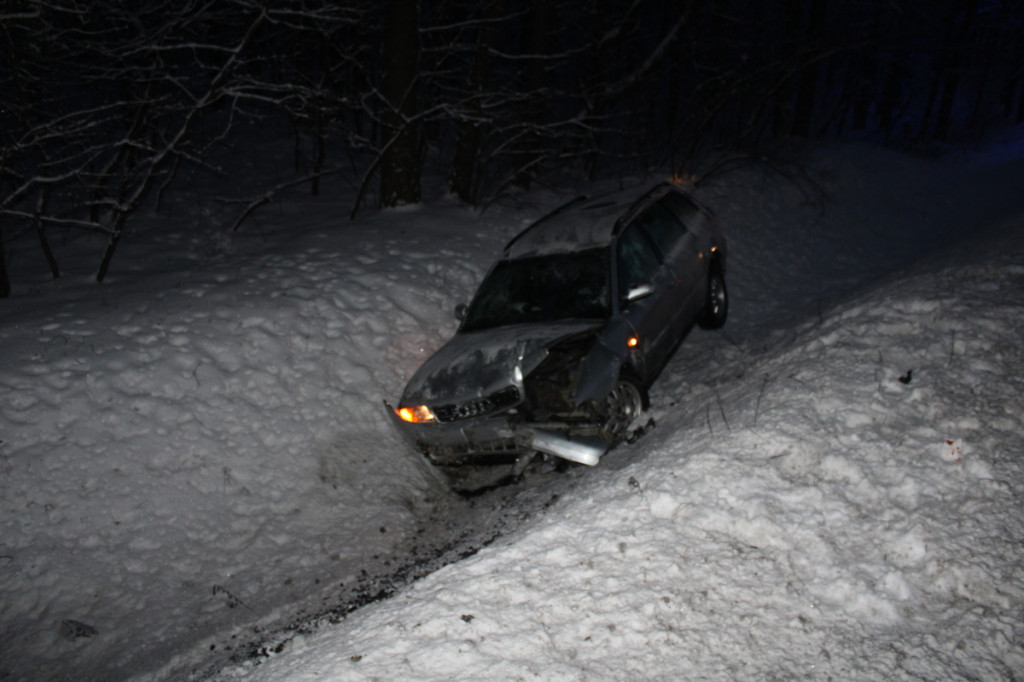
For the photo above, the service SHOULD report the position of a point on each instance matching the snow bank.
(807, 521)
(188, 450)
(194, 460)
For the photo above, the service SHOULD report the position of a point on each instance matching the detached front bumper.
(493, 441)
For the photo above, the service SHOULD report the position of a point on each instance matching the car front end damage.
(542, 404)
(474, 453)
(497, 440)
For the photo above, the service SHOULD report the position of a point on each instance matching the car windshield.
(542, 289)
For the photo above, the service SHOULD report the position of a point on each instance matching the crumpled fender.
(602, 365)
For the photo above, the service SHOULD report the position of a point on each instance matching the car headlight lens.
(418, 414)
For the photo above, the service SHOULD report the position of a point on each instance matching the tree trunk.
(44, 243)
(864, 72)
(464, 178)
(892, 90)
(782, 118)
(539, 25)
(115, 237)
(400, 163)
(320, 154)
(978, 120)
(952, 77)
(1020, 105)
(5, 282)
(807, 91)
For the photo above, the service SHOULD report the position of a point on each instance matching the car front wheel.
(622, 409)
(716, 307)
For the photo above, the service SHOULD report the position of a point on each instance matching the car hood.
(475, 364)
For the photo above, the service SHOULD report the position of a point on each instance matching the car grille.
(481, 453)
(478, 407)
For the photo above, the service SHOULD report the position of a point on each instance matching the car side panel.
(650, 316)
(689, 267)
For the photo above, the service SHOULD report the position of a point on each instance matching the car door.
(693, 257)
(680, 253)
(652, 307)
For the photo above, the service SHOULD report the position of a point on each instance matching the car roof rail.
(564, 207)
(645, 199)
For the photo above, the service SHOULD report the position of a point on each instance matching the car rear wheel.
(622, 409)
(716, 307)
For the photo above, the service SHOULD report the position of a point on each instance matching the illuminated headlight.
(418, 414)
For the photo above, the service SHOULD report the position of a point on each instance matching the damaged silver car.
(557, 349)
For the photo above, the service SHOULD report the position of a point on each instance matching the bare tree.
(400, 158)
(105, 107)
(111, 100)
(960, 29)
(808, 85)
(466, 172)
(5, 280)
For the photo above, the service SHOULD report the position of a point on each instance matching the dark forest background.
(105, 105)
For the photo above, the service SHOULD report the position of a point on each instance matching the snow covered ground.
(196, 470)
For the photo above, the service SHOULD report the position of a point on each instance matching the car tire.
(622, 409)
(716, 307)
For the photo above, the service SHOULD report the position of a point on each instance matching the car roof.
(585, 222)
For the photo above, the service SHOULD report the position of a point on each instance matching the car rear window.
(662, 227)
(681, 206)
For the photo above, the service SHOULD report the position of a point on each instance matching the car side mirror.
(460, 312)
(636, 293)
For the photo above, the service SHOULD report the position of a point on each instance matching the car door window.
(663, 228)
(637, 259)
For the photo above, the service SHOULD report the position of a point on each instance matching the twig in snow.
(731, 340)
(757, 407)
(952, 346)
(708, 417)
(721, 409)
(233, 601)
